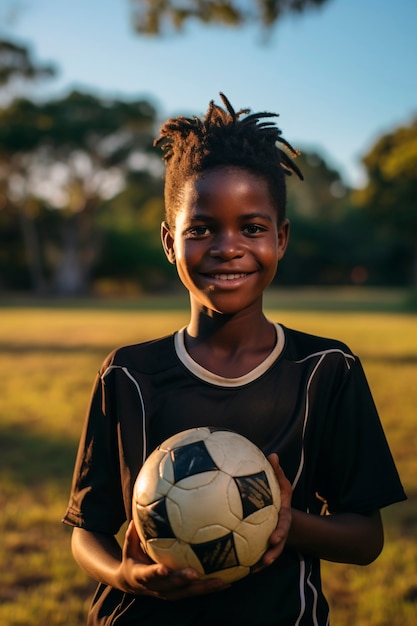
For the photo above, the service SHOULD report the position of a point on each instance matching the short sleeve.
(96, 500)
(357, 471)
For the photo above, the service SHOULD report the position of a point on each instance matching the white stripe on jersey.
(322, 356)
(303, 580)
(302, 595)
(142, 404)
(324, 352)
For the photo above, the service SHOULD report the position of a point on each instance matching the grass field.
(48, 358)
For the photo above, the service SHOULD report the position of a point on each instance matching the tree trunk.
(33, 251)
(79, 252)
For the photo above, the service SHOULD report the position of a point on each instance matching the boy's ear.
(167, 242)
(283, 237)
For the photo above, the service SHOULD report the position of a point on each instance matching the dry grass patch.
(49, 358)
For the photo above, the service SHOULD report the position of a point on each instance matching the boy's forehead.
(218, 187)
(220, 179)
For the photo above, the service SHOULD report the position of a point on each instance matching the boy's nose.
(227, 246)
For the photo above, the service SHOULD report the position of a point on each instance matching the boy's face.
(227, 242)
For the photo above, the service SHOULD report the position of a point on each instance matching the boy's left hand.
(279, 536)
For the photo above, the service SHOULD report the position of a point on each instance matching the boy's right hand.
(141, 576)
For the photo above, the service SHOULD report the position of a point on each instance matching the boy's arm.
(130, 570)
(344, 538)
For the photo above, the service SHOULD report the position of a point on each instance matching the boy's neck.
(230, 346)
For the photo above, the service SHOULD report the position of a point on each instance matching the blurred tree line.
(81, 199)
(156, 18)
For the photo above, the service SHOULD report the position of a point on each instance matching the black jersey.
(309, 401)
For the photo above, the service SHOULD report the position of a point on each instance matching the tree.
(17, 69)
(155, 17)
(132, 258)
(17, 66)
(69, 154)
(390, 199)
(320, 249)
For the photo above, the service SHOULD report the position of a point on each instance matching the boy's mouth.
(228, 276)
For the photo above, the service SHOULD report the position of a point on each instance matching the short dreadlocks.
(225, 138)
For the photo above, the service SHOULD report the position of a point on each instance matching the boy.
(296, 395)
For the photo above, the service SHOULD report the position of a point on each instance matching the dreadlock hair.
(225, 138)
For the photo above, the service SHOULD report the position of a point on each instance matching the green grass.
(48, 358)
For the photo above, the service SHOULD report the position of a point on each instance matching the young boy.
(295, 395)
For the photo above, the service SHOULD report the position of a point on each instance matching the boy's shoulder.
(300, 345)
(146, 357)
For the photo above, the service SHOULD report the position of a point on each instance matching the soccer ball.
(207, 498)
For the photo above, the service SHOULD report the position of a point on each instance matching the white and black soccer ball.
(207, 498)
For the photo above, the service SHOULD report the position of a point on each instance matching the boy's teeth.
(227, 276)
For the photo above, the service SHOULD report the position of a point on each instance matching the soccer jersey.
(309, 401)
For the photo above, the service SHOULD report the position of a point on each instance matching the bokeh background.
(84, 88)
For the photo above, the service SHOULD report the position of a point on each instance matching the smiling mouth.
(229, 276)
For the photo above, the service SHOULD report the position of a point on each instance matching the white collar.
(215, 379)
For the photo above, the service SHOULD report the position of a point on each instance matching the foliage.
(81, 201)
(155, 18)
(132, 257)
(59, 350)
(390, 198)
(16, 64)
(322, 249)
(70, 154)
(77, 121)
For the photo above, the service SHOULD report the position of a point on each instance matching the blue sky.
(339, 76)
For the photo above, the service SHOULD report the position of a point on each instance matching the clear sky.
(339, 76)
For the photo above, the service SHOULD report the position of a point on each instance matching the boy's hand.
(142, 576)
(280, 534)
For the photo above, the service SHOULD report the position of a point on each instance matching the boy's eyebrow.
(257, 215)
(199, 217)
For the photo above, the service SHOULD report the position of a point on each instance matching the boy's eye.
(198, 231)
(253, 229)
